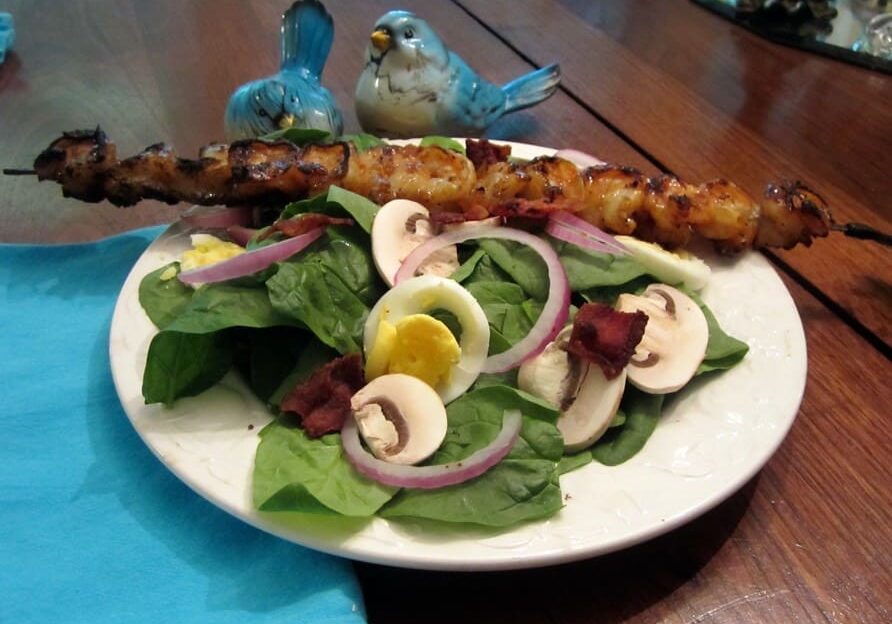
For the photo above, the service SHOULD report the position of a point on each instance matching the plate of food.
(453, 366)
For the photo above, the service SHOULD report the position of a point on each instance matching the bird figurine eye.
(408, 33)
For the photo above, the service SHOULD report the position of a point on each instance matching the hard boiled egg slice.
(400, 337)
(669, 267)
(208, 249)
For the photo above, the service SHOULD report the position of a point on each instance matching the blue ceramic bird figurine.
(413, 85)
(294, 97)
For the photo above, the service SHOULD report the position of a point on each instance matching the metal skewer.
(862, 231)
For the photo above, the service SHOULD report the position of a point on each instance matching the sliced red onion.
(571, 229)
(241, 235)
(580, 159)
(554, 313)
(250, 261)
(431, 477)
(217, 218)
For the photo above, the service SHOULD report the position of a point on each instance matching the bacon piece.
(606, 337)
(483, 153)
(301, 224)
(323, 400)
(536, 209)
(448, 218)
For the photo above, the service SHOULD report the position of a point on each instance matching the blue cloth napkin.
(94, 528)
(7, 34)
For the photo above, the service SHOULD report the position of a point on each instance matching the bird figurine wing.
(293, 97)
(413, 85)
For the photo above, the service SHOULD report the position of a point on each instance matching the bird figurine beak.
(381, 39)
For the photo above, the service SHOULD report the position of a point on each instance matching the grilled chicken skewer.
(618, 199)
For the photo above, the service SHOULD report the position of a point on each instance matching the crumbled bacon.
(483, 153)
(537, 209)
(301, 224)
(534, 209)
(606, 337)
(323, 400)
(445, 217)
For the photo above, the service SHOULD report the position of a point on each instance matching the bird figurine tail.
(307, 33)
(531, 88)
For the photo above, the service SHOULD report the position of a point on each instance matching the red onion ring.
(217, 218)
(250, 261)
(580, 159)
(431, 477)
(571, 229)
(557, 306)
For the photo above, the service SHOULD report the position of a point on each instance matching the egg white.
(420, 295)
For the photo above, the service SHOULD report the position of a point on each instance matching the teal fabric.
(7, 35)
(94, 528)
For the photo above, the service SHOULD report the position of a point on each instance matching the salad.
(440, 371)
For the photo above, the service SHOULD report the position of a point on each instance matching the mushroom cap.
(587, 399)
(589, 416)
(674, 341)
(399, 227)
(407, 406)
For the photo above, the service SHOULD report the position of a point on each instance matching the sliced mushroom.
(587, 399)
(674, 341)
(401, 418)
(399, 227)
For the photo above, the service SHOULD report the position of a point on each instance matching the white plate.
(709, 443)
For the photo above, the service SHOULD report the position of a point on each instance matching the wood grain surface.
(657, 84)
(707, 99)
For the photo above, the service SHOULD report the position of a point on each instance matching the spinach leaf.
(163, 300)
(362, 142)
(569, 463)
(483, 270)
(330, 288)
(181, 364)
(218, 306)
(521, 263)
(336, 202)
(618, 444)
(314, 295)
(511, 314)
(591, 269)
(449, 320)
(194, 350)
(361, 209)
(293, 472)
(468, 267)
(298, 136)
(524, 486)
(444, 142)
(484, 380)
(273, 354)
(609, 294)
(722, 351)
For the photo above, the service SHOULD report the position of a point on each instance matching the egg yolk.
(208, 249)
(417, 345)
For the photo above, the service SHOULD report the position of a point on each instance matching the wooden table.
(658, 84)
